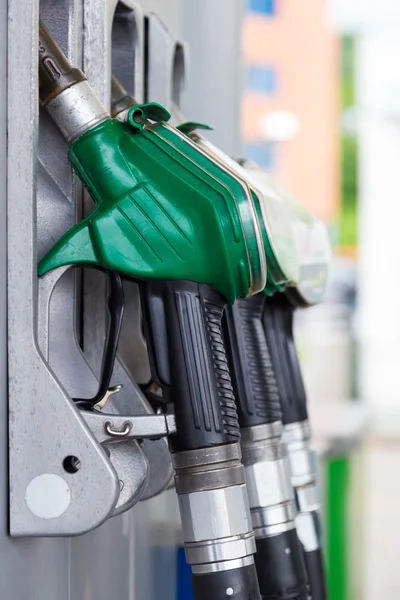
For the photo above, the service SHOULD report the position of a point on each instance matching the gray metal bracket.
(167, 61)
(45, 429)
(111, 427)
(116, 433)
(70, 470)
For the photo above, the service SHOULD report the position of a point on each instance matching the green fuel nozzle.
(313, 252)
(164, 210)
(296, 244)
(170, 217)
(304, 267)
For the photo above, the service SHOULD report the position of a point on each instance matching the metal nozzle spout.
(120, 99)
(64, 91)
(55, 71)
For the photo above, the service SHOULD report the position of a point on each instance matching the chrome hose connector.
(268, 479)
(305, 479)
(214, 508)
(76, 110)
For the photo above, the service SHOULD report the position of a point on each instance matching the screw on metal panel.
(71, 464)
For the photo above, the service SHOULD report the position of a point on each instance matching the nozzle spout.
(120, 99)
(64, 91)
(56, 73)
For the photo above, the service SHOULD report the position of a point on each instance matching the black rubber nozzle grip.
(252, 372)
(316, 574)
(188, 361)
(238, 584)
(280, 567)
(278, 326)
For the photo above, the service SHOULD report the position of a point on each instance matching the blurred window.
(260, 152)
(261, 79)
(267, 7)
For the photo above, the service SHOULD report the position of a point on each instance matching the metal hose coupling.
(216, 521)
(304, 473)
(268, 479)
(279, 558)
(64, 91)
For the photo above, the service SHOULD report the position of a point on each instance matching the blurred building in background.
(290, 108)
(296, 70)
(374, 27)
(321, 112)
(376, 121)
(298, 92)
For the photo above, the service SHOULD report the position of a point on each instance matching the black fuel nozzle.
(279, 559)
(278, 327)
(183, 325)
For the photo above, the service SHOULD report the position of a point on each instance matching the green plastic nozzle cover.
(296, 244)
(309, 235)
(164, 210)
